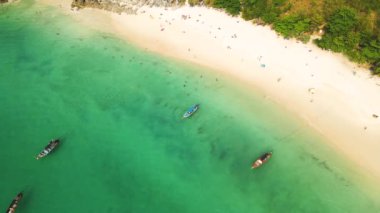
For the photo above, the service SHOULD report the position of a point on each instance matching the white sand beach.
(331, 94)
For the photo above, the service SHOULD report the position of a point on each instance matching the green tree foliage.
(231, 6)
(193, 2)
(254, 8)
(376, 68)
(350, 30)
(370, 51)
(267, 10)
(340, 35)
(344, 34)
(292, 25)
(344, 20)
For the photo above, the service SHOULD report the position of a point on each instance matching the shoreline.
(332, 95)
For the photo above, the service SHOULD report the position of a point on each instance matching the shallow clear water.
(125, 147)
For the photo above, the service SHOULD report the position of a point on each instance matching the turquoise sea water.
(125, 147)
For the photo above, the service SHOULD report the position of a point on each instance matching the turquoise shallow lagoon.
(125, 147)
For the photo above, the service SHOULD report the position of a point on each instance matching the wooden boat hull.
(48, 149)
(261, 160)
(14, 204)
(191, 111)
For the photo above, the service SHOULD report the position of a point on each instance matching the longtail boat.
(261, 160)
(14, 204)
(191, 111)
(49, 148)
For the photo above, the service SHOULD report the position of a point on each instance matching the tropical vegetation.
(351, 27)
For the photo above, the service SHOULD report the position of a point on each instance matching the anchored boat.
(14, 204)
(191, 111)
(261, 160)
(49, 148)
